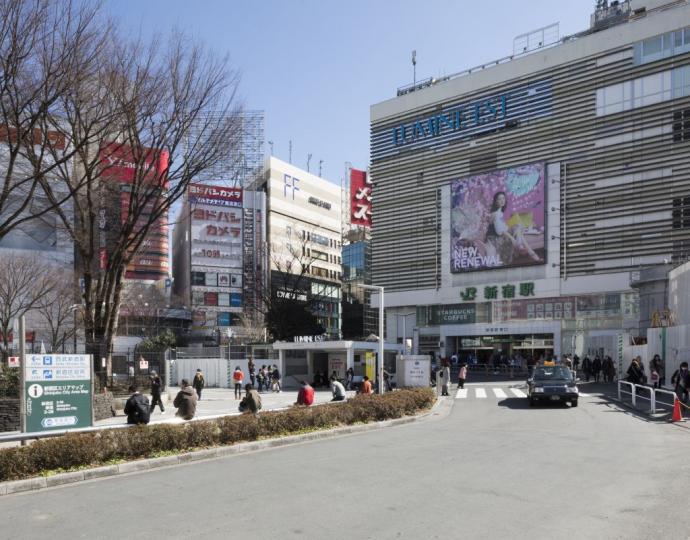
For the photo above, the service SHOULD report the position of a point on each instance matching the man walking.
(198, 383)
(681, 381)
(275, 378)
(156, 386)
(185, 401)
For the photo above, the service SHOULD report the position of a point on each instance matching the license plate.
(555, 398)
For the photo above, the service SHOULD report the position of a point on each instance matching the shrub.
(85, 449)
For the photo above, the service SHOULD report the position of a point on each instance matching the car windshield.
(551, 373)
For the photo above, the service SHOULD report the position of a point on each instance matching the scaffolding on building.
(242, 160)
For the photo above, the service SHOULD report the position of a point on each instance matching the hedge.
(101, 447)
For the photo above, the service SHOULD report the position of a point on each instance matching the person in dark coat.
(137, 407)
(681, 381)
(198, 383)
(251, 402)
(185, 401)
(156, 386)
(634, 372)
(587, 367)
(596, 368)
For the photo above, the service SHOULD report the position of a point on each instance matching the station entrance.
(501, 348)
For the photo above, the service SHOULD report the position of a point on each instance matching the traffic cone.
(677, 415)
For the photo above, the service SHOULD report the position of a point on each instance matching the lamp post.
(404, 316)
(380, 369)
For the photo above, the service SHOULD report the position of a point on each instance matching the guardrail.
(634, 394)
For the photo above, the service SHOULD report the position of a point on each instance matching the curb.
(61, 479)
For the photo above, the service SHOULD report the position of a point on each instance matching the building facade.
(514, 203)
(304, 239)
(218, 242)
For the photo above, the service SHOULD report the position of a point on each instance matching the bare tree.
(288, 305)
(25, 282)
(156, 102)
(45, 48)
(60, 312)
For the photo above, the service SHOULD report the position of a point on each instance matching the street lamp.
(404, 316)
(380, 370)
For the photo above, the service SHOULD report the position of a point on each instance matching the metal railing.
(635, 395)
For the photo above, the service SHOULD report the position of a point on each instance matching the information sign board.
(58, 391)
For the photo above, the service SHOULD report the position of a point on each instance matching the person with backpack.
(156, 386)
(261, 378)
(198, 383)
(137, 407)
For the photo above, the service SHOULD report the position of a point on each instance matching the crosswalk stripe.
(582, 394)
(462, 393)
(480, 392)
(517, 392)
(499, 393)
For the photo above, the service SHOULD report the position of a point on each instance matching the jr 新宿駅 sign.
(457, 120)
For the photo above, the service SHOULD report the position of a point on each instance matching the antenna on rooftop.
(414, 67)
(290, 152)
(320, 167)
(308, 161)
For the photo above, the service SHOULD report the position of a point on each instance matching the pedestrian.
(251, 367)
(137, 407)
(337, 389)
(348, 378)
(654, 377)
(445, 378)
(156, 386)
(198, 383)
(251, 402)
(185, 401)
(387, 381)
(681, 381)
(587, 367)
(275, 379)
(238, 379)
(576, 363)
(365, 387)
(596, 368)
(305, 396)
(462, 375)
(261, 377)
(655, 364)
(634, 372)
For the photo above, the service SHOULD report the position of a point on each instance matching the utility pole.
(320, 168)
(414, 68)
(22, 374)
(308, 161)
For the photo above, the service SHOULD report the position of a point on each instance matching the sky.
(316, 66)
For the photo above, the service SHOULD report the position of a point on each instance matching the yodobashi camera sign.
(58, 391)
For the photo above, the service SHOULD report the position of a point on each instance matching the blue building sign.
(465, 119)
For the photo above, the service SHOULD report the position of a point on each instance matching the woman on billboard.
(503, 240)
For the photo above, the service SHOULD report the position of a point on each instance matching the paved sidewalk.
(215, 401)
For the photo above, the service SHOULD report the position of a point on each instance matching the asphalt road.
(491, 468)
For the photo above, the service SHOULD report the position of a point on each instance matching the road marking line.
(584, 395)
(499, 393)
(518, 393)
(480, 392)
(462, 393)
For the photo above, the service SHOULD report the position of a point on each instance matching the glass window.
(668, 41)
(199, 278)
(651, 46)
(678, 38)
(686, 36)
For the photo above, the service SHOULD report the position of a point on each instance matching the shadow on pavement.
(519, 403)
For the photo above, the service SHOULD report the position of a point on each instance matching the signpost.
(58, 391)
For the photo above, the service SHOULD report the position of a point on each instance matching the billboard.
(217, 236)
(360, 198)
(498, 219)
(120, 164)
(215, 196)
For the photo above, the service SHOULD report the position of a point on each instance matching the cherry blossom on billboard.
(498, 219)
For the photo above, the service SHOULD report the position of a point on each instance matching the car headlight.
(538, 390)
(573, 389)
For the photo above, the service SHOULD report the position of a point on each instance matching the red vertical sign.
(360, 198)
